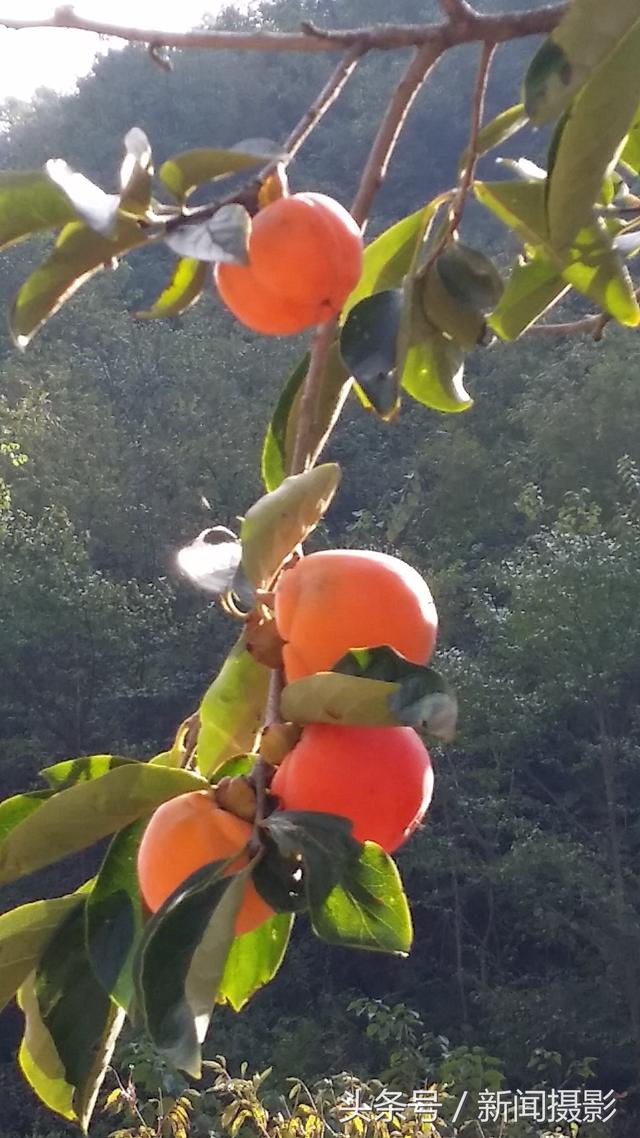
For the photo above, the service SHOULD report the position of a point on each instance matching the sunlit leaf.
(433, 367)
(82, 814)
(135, 173)
(367, 908)
(232, 710)
(591, 137)
(498, 130)
(91, 204)
(533, 287)
(184, 289)
(586, 37)
(78, 254)
(29, 203)
(182, 173)
(253, 960)
(24, 933)
(278, 522)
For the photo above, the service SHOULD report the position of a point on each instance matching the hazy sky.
(54, 58)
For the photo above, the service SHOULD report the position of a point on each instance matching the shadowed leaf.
(368, 345)
(223, 237)
(114, 915)
(24, 934)
(29, 203)
(183, 173)
(183, 290)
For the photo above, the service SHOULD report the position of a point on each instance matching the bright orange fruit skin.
(186, 833)
(305, 257)
(380, 778)
(340, 599)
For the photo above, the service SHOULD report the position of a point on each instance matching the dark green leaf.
(223, 237)
(184, 289)
(278, 522)
(585, 38)
(368, 345)
(182, 960)
(367, 908)
(114, 915)
(232, 710)
(582, 154)
(278, 879)
(98, 210)
(71, 1025)
(631, 151)
(29, 203)
(78, 254)
(182, 173)
(469, 277)
(533, 287)
(24, 933)
(82, 814)
(323, 841)
(278, 448)
(461, 322)
(253, 960)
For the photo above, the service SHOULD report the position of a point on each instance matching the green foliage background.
(523, 512)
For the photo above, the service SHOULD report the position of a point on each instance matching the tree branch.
(463, 25)
(328, 95)
(593, 325)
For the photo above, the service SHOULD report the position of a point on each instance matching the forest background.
(119, 440)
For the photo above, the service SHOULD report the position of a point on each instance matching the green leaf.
(24, 934)
(113, 915)
(368, 345)
(631, 151)
(184, 289)
(585, 38)
(373, 687)
(71, 1026)
(82, 814)
(29, 203)
(367, 908)
(354, 892)
(92, 205)
(135, 174)
(533, 287)
(78, 254)
(64, 774)
(183, 173)
(253, 960)
(469, 276)
(279, 443)
(583, 155)
(281, 520)
(223, 237)
(433, 367)
(592, 265)
(498, 130)
(388, 259)
(232, 710)
(278, 879)
(460, 322)
(182, 961)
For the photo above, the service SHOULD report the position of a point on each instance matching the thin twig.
(328, 95)
(309, 399)
(593, 325)
(467, 173)
(462, 26)
(392, 123)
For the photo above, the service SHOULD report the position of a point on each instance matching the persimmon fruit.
(380, 778)
(186, 833)
(304, 258)
(339, 599)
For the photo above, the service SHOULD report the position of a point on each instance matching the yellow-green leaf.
(183, 290)
(232, 710)
(24, 933)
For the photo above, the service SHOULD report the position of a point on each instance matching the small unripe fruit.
(380, 778)
(304, 258)
(186, 833)
(339, 599)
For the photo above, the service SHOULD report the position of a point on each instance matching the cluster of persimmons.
(304, 258)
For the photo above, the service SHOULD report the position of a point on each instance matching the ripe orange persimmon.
(186, 833)
(305, 257)
(380, 778)
(341, 598)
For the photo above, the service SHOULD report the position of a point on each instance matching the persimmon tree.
(423, 300)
